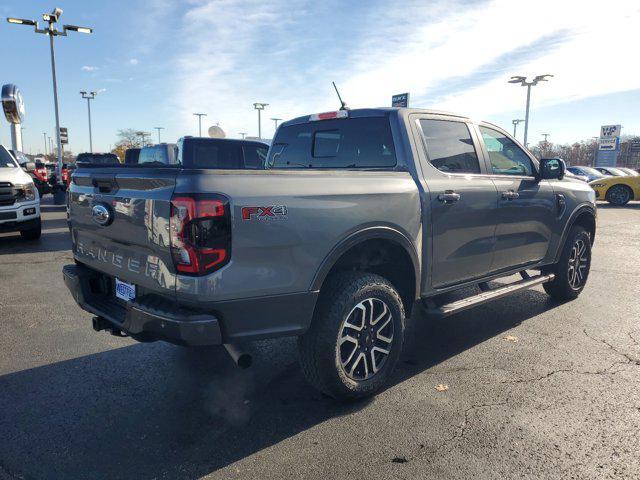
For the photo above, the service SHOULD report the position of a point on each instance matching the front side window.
(506, 157)
(449, 146)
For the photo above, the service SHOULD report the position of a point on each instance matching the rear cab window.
(361, 142)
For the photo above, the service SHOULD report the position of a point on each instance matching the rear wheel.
(619, 195)
(572, 271)
(356, 336)
(32, 233)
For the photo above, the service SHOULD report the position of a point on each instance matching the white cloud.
(133, 61)
(88, 68)
(450, 56)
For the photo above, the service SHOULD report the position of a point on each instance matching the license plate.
(125, 291)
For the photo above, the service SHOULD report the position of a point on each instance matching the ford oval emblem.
(101, 214)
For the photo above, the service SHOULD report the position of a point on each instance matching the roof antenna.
(343, 105)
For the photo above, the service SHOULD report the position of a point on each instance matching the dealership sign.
(608, 145)
(610, 131)
(12, 104)
(400, 100)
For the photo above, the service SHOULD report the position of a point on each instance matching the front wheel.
(356, 336)
(572, 271)
(618, 195)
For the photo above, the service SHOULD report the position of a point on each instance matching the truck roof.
(377, 112)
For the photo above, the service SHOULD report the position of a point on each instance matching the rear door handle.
(510, 195)
(449, 197)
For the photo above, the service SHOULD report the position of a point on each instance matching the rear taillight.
(200, 233)
(41, 173)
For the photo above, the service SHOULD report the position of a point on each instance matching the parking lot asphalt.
(536, 389)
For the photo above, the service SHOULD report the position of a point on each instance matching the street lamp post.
(200, 115)
(143, 135)
(243, 134)
(259, 107)
(523, 82)
(546, 135)
(276, 120)
(89, 96)
(46, 152)
(595, 150)
(158, 129)
(515, 123)
(51, 19)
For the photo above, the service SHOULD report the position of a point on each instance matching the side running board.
(488, 295)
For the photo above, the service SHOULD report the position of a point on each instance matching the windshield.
(6, 160)
(590, 171)
(615, 171)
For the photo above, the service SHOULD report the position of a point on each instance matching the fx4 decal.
(263, 213)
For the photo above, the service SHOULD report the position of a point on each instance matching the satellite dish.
(216, 132)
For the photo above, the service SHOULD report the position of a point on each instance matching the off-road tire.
(33, 233)
(561, 287)
(318, 347)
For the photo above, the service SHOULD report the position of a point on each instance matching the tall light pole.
(276, 120)
(259, 107)
(46, 152)
(51, 19)
(243, 134)
(143, 135)
(595, 150)
(200, 115)
(546, 135)
(89, 96)
(515, 123)
(523, 82)
(159, 128)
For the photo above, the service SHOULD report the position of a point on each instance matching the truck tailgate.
(119, 220)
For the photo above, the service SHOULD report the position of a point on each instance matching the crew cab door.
(459, 225)
(527, 207)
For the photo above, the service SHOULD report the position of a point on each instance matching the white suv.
(19, 199)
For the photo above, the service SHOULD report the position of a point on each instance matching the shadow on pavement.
(152, 410)
(628, 206)
(48, 242)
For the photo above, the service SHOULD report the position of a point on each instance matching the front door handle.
(510, 195)
(449, 196)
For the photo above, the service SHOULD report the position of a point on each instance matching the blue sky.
(155, 62)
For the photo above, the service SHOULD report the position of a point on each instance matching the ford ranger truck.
(19, 199)
(357, 215)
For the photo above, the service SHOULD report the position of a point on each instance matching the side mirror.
(552, 169)
(29, 167)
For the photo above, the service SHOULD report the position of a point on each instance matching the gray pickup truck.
(356, 215)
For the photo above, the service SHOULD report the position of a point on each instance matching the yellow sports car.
(617, 190)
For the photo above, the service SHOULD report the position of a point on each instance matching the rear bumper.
(144, 319)
(200, 323)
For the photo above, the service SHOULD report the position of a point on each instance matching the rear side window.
(449, 146)
(345, 143)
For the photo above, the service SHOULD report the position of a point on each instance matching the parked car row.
(616, 185)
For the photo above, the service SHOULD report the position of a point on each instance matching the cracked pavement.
(562, 400)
